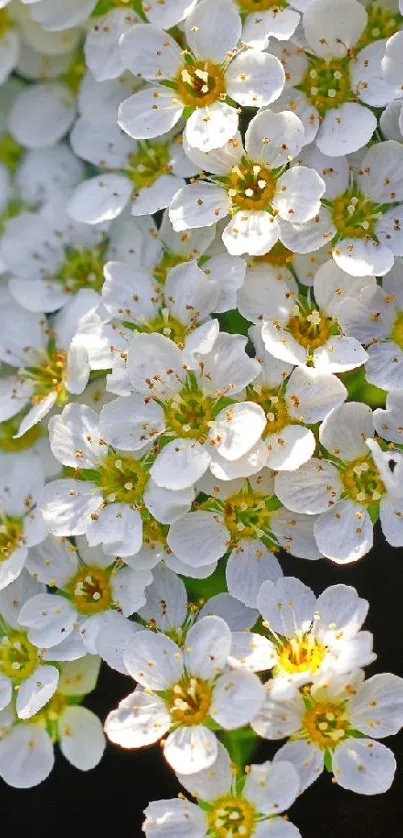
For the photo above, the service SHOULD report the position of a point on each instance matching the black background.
(112, 797)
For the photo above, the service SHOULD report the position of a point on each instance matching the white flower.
(244, 519)
(340, 78)
(50, 258)
(345, 488)
(110, 492)
(87, 585)
(268, 790)
(306, 637)
(101, 48)
(362, 215)
(28, 673)
(290, 403)
(179, 690)
(210, 73)
(52, 363)
(253, 185)
(302, 328)
(144, 175)
(193, 409)
(333, 725)
(26, 749)
(133, 301)
(375, 318)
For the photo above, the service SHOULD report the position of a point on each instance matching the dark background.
(74, 804)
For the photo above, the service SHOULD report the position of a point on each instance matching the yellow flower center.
(49, 715)
(9, 428)
(362, 481)
(123, 479)
(327, 83)
(189, 414)
(82, 269)
(397, 330)
(354, 215)
(231, 817)
(11, 152)
(279, 256)
(309, 327)
(169, 260)
(189, 701)
(154, 534)
(48, 377)
(169, 326)
(250, 186)
(11, 535)
(382, 23)
(200, 84)
(247, 515)
(148, 163)
(274, 406)
(90, 590)
(301, 653)
(325, 724)
(18, 657)
(261, 5)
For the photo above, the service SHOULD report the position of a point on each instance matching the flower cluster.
(201, 348)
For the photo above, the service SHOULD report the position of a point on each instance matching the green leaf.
(359, 390)
(202, 589)
(233, 322)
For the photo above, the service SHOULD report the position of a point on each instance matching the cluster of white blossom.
(201, 249)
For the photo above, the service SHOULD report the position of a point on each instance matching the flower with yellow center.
(253, 185)
(231, 817)
(114, 488)
(350, 488)
(233, 804)
(202, 81)
(187, 687)
(334, 724)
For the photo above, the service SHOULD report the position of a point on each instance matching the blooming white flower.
(302, 328)
(88, 585)
(195, 411)
(108, 491)
(252, 185)
(28, 673)
(21, 523)
(143, 175)
(363, 218)
(268, 790)
(26, 749)
(339, 79)
(243, 519)
(179, 690)
(133, 301)
(264, 19)
(101, 48)
(204, 79)
(52, 363)
(333, 725)
(345, 488)
(306, 637)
